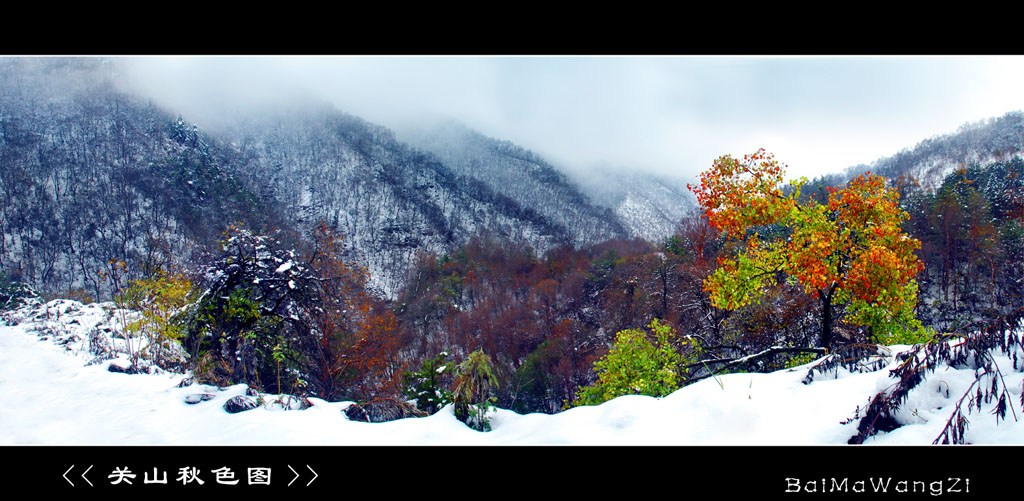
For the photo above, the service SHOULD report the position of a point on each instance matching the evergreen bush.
(426, 386)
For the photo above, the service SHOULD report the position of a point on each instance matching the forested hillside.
(928, 163)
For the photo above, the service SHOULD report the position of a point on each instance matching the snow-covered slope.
(59, 391)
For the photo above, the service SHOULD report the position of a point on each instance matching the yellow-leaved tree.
(159, 298)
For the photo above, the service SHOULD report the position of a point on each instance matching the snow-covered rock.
(240, 403)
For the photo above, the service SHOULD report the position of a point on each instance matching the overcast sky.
(664, 114)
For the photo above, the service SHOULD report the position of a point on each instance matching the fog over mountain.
(667, 115)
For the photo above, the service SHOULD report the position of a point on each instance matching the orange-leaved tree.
(849, 252)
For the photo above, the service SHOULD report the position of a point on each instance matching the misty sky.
(664, 114)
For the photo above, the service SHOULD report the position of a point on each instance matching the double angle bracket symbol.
(65, 475)
(315, 475)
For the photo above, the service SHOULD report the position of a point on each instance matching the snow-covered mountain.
(390, 201)
(93, 176)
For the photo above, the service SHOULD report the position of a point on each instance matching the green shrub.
(636, 366)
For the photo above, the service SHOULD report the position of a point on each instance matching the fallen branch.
(729, 364)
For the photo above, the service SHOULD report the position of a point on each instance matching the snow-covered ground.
(59, 392)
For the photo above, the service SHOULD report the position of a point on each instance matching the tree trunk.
(826, 319)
